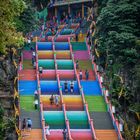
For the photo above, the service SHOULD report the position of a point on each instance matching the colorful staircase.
(27, 85)
(84, 113)
(93, 94)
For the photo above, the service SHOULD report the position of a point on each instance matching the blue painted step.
(27, 87)
(91, 87)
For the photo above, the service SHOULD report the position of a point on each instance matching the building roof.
(67, 2)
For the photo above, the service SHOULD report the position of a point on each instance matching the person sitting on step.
(52, 99)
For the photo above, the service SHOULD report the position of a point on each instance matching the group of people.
(54, 100)
(86, 74)
(71, 86)
(81, 73)
(27, 123)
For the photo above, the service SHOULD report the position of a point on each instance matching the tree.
(8, 35)
(118, 32)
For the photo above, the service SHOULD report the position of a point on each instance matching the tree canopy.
(118, 43)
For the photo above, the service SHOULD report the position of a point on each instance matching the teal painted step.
(96, 103)
(46, 64)
(28, 47)
(65, 64)
(55, 119)
(78, 119)
(79, 46)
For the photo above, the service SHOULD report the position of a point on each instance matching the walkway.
(76, 109)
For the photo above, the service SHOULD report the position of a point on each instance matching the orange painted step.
(106, 135)
(27, 75)
(73, 102)
(55, 135)
(34, 134)
(91, 75)
(45, 99)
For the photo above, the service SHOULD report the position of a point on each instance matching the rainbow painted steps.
(102, 120)
(93, 96)
(50, 54)
(72, 102)
(106, 135)
(27, 64)
(34, 115)
(27, 87)
(76, 134)
(52, 87)
(79, 46)
(62, 64)
(35, 134)
(96, 103)
(26, 103)
(78, 119)
(63, 75)
(27, 74)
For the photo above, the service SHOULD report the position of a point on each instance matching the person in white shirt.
(72, 86)
(36, 103)
(80, 74)
(36, 94)
(47, 130)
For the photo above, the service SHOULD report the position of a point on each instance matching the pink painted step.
(81, 55)
(27, 55)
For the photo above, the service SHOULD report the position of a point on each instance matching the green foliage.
(27, 22)
(8, 35)
(118, 35)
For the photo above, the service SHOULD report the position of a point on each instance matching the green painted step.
(96, 103)
(55, 119)
(85, 64)
(27, 64)
(79, 46)
(27, 103)
(78, 119)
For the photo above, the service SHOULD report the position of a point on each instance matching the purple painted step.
(81, 55)
(27, 55)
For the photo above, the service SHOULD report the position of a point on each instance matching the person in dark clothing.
(52, 99)
(40, 70)
(64, 134)
(76, 37)
(24, 124)
(87, 74)
(66, 86)
(77, 64)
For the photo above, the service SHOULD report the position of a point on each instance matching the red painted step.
(55, 135)
(91, 75)
(27, 75)
(81, 135)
